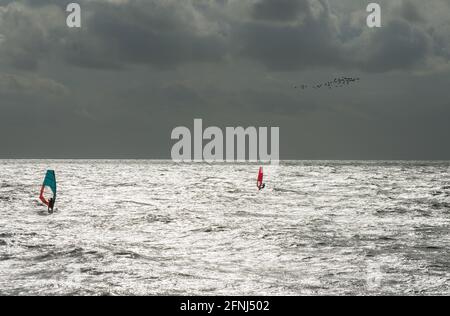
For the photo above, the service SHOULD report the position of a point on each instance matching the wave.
(211, 229)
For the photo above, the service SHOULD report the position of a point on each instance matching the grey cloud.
(159, 33)
(17, 84)
(167, 34)
(310, 42)
(29, 35)
(281, 10)
(409, 11)
(289, 48)
(397, 46)
(148, 32)
(317, 40)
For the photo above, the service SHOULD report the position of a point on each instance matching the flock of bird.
(339, 82)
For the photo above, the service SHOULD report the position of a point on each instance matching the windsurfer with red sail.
(259, 183)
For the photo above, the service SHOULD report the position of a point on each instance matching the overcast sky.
(137, 69)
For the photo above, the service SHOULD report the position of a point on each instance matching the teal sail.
(50, 182)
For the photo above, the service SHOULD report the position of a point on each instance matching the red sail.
(259, 182)
(41, 196)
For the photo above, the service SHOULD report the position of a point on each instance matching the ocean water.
(160, 228)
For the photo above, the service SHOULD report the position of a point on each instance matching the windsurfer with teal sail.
(49, 182)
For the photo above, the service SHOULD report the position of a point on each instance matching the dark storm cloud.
(143, 32)
(167, 34)
(397, 46)
(287, 48)
(158, 33)
(309, 42)
(281, 10)
(316, 39)
(409, 11)
(28, 35)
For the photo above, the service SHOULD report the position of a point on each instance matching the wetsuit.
(51, 205)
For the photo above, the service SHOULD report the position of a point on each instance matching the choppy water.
(155, 227)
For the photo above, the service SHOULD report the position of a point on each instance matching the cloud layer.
(282, 35)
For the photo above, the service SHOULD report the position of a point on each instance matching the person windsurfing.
(259, 183)
(50, 183)
(51, 205)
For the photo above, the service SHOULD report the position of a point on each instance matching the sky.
(136, 69)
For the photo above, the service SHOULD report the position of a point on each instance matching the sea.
(138, 227)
